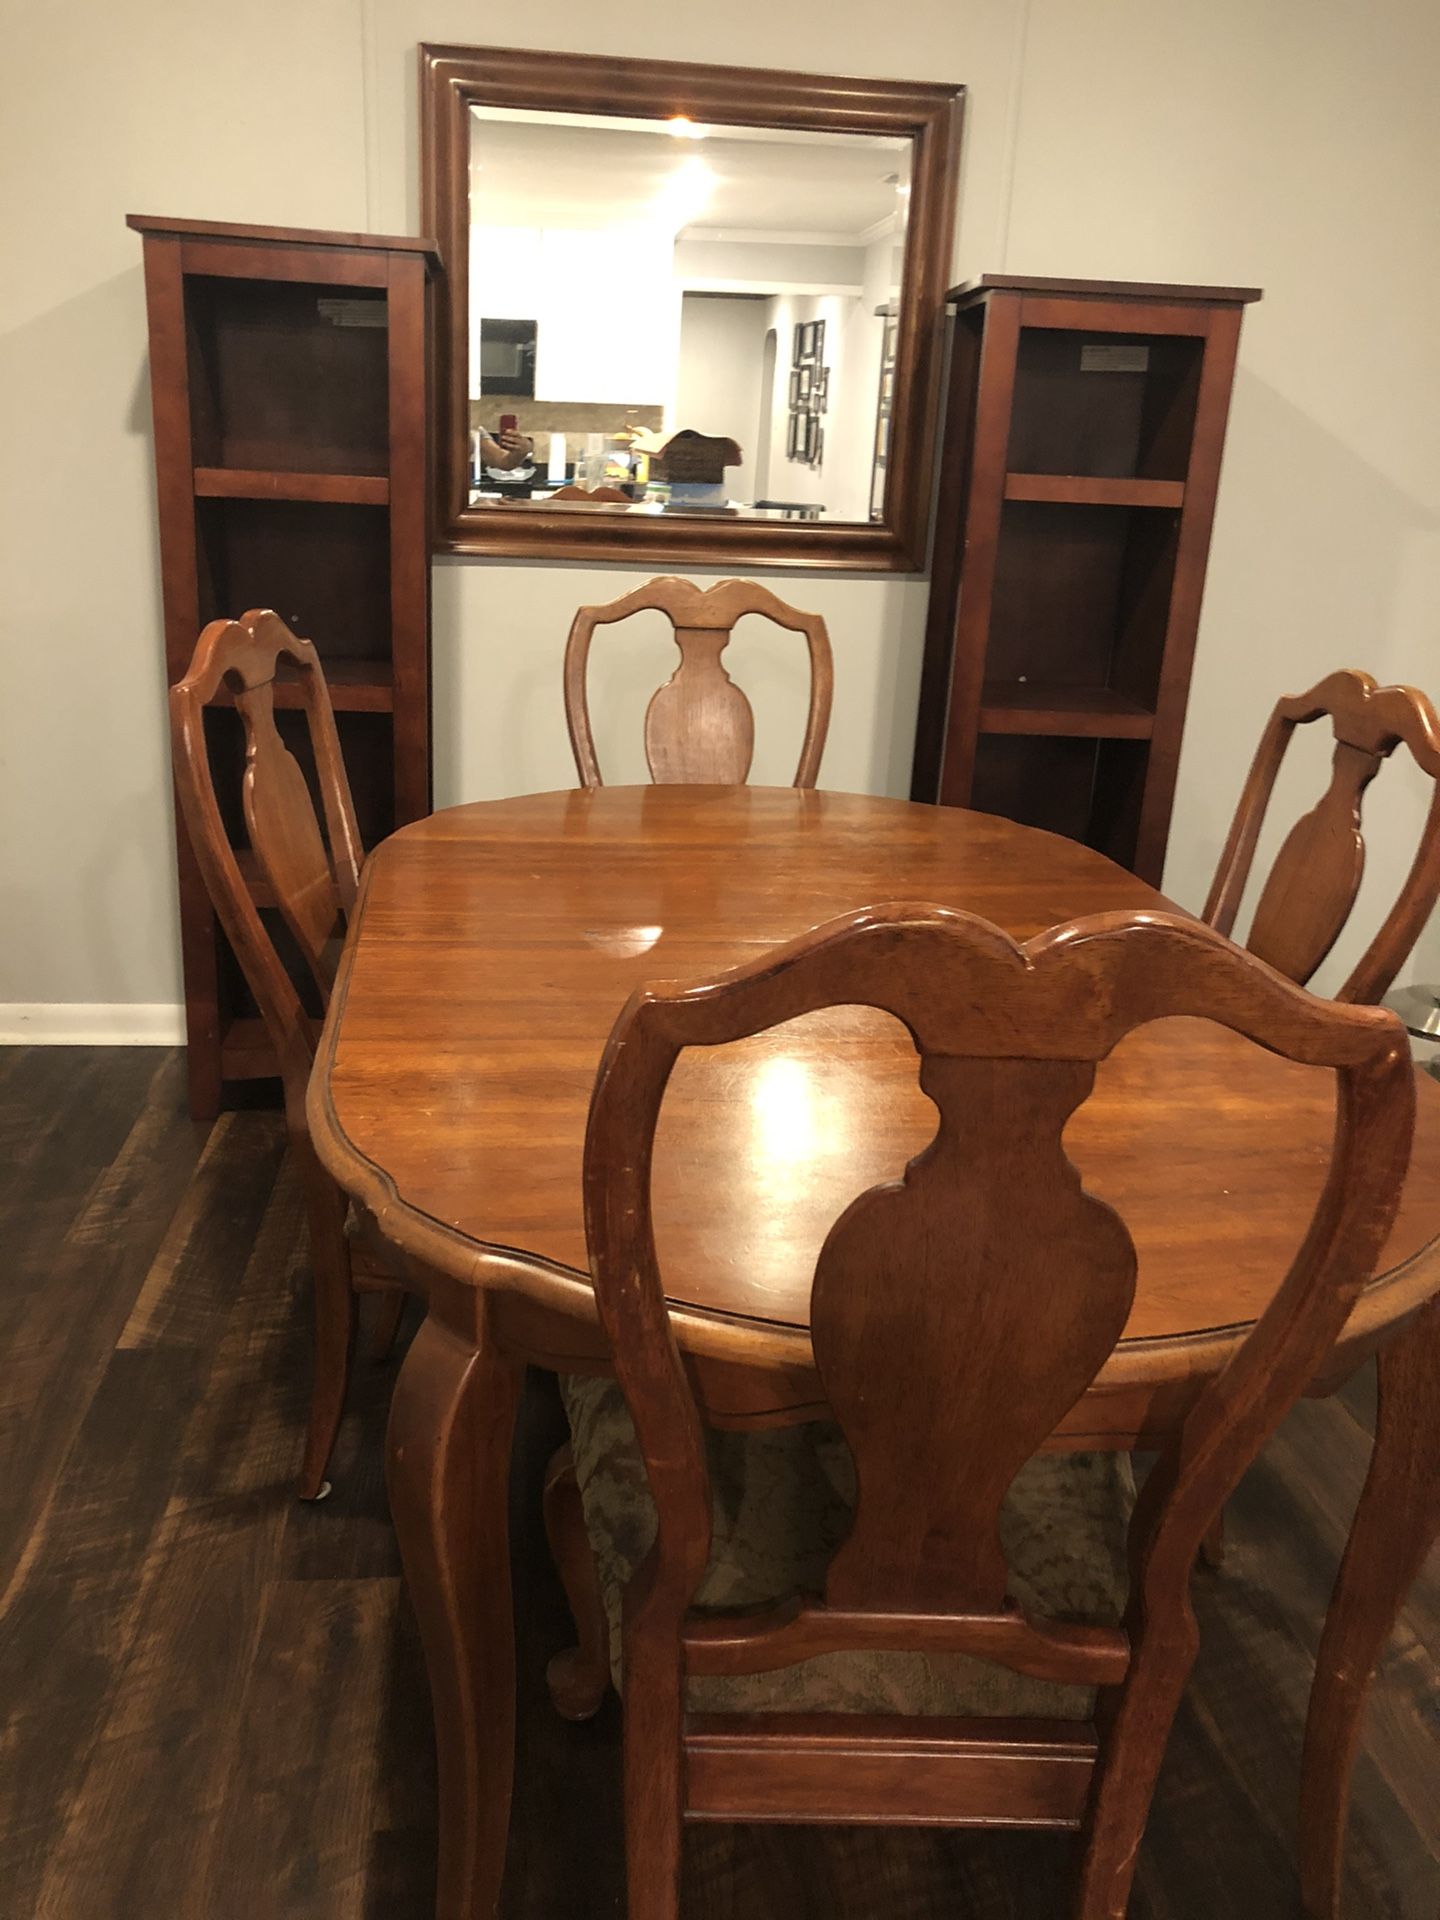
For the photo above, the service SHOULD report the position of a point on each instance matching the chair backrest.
(593, 496)
(699, 727)
(958, 1315)
(313, 887)
(1317, 873)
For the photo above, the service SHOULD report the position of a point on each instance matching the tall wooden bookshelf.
(288, 382)
(1080, 462)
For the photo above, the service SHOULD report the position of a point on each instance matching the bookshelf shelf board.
(278, 483)
(1091, 490)
(1041, 707)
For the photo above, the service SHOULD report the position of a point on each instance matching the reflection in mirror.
(700, 316)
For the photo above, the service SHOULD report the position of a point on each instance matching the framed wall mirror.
(689, 314)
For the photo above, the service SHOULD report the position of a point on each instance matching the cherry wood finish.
(451, 1100)
(1072, 531)
(261, 483)
(1315, 880)
(1112, 289)
(577, 1676)
(567, 901)
(285, 236)
(231, 1669)
(699, 727)
(453, 79)
(1313, 884)
(313, 883)
(592, 496)
(447, 1469)
(949, 1772)
(290, 449)
(1382, 1559)
(955, 1327)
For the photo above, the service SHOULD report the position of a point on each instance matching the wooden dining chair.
(993, 1634)
(699, 727)
(312, 880)
(593, 496)
(1316, 877)
(1315, 880)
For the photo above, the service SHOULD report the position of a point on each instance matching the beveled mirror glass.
(689, 313)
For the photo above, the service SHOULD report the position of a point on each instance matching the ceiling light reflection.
(684, 194)
(624, 942)
(785, 1110)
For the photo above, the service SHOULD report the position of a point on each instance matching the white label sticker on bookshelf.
(1108, 357)
(352, 313)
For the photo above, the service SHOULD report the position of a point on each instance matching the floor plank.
(78, 1250)
(212, 1700)
(302, 1781)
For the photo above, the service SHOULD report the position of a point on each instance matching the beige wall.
(242, 113)
(1247, 140)
(717, 377)
(1295, 148)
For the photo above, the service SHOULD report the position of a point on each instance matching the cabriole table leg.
(447, 1467)
(1396, 1523)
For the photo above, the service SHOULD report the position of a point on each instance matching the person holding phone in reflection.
(507, 453)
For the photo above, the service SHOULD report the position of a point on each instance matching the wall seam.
(1020, 49)
(370, 122)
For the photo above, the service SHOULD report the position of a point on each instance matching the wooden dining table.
(492, 947)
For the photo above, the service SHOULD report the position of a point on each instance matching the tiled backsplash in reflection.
(540, 418)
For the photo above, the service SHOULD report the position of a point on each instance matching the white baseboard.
(75, 1023)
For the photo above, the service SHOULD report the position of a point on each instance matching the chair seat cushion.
(783, 1498)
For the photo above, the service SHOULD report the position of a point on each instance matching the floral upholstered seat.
(782, 1504)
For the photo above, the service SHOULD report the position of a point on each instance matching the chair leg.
(1212, 1546)
(654, 1782)
(1132, 1747)
(389, 1312)
(1396, 1523)
(578, 1675)
(335, 1317)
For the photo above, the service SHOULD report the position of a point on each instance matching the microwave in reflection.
(507, 358)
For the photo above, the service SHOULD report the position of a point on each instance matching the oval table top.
(494, 944)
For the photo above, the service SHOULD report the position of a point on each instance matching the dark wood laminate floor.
(212, 1701)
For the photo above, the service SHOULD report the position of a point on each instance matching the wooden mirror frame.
(454, 79)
